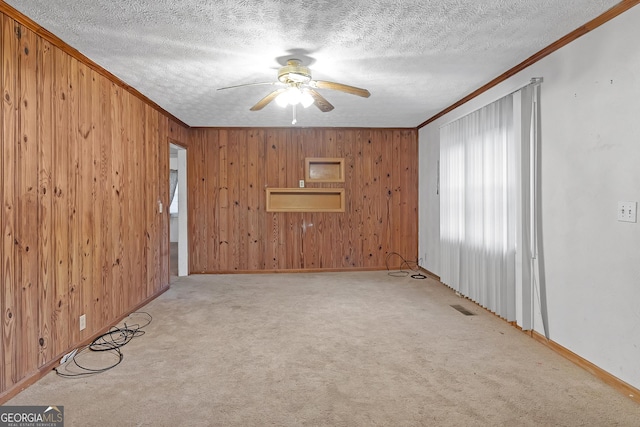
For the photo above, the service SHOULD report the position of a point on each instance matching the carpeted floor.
(330, 349)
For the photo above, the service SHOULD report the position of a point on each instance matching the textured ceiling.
(415, 57)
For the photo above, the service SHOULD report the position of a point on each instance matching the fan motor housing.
(294, 72)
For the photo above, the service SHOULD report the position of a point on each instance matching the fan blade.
(341, 87)
(320, 101)
(267, 99)
(249, 84)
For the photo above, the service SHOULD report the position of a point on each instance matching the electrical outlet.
(301, 183)
(627, 211)
(83, 322)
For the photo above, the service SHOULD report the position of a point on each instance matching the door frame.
(183, 211)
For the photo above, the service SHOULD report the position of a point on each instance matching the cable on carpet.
(78, 361)
(411, 265)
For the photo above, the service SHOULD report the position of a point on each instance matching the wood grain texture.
(60, 330)
(2, 213)
(230, 230)
(9, 123)
(27, 203)
(163, 188)
(85, 140)
(84, 164)
(103, 224)
(46, 130)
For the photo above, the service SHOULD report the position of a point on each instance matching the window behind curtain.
(477, 215)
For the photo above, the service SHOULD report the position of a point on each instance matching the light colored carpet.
(330, 349)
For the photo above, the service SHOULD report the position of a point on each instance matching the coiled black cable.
(110, 342)
(411, 265)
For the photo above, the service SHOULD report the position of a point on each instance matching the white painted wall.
(429, 199)
(590, 161)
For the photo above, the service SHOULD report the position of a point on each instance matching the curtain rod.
(533, 81)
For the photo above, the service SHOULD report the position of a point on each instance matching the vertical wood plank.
(284, 139)
(240, 202)
(340, 220)
(46, 131)
(223, 205)
(98, 165)
(27, 207)
(212, 141)
(164, 192)
(358, 207)
(85, 133)
(294, 222)
(254, 252)
(271, 224)
(105, 241)
(377, 243)
(9, 123)
(236, 216)
(126, 149)
(75, 246)
(349, 252)
(136, 183)
(396, 208)
(152, 176)
(2, 199)
(199, 159)
(193, 163)
(130, 249)
(327, 255)
(368, 202)
(386, 189)
(60, 336)
(117, 193)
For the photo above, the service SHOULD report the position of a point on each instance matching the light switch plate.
(627, 211)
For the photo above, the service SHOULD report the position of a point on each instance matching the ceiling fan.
(297, 87)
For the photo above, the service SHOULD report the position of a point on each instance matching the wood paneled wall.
(84, 165)
(229, 229)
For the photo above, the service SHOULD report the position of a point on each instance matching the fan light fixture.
(298, 88)
(294, 96)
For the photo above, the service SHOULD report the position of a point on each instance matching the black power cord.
(74, 369)
(110, 342)
(411, 265)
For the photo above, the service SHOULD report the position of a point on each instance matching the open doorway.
(178, 220)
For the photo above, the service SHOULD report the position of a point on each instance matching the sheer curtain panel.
(477, 206)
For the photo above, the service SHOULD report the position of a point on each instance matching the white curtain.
(173, 184)
(478, 206)
(530, 275)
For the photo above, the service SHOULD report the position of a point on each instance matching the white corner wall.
(590, 161)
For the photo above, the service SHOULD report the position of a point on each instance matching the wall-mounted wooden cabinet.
(305, 199)
(324, 169)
